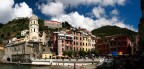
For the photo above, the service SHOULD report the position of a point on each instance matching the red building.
(119, 43)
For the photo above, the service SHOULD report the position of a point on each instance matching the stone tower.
(34, 28)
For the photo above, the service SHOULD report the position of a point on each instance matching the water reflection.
(16, 66)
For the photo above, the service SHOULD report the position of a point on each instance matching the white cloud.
(57, 8)
(98, 11)
(114, 12)
(77, 2)
(121, 2)
(8, 12)
(113, 2)
(52, 9)
(108, 2)
(88, 2)
(22, 10)
(77, 20)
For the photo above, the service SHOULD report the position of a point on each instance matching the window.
(34, 30)
(67, 47)
(76, 43)
(67, 42)
(31, 30)
(62, 49)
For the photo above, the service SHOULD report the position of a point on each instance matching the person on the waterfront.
(74, 66)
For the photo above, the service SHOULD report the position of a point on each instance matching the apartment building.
(117, 43)
(52, 24)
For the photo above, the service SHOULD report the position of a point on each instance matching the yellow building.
(91, 42)
(85, 43)
(46, 55)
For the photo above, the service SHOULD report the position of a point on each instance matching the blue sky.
(89, 14)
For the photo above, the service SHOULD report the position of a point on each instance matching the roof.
(47, 51)
(34, 17)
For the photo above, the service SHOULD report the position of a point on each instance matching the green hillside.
(1, 25)
(113, 30)
(14, 27)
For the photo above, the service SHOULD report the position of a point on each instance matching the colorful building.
(52, 24)
(75, 39)
(118, 43)
(61, 41)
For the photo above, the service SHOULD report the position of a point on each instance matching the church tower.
(34, 28)
(141, 28)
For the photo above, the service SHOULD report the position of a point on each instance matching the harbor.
(63, 62)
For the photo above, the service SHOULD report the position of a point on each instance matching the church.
(29, 46)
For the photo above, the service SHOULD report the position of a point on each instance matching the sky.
(89, 14)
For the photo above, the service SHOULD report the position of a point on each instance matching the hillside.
(14, 27)
(1, 25)
(113, 30)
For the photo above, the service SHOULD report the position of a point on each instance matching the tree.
(65, 53)
(95, 52)
(75, 53)
(82, 53)
(66, 25)
(70, 53)
(41, 23)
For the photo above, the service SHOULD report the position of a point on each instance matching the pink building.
(52, 24)
(69, 40)
(61, 41)
(77, 40)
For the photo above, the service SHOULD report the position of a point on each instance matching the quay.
(63, 62)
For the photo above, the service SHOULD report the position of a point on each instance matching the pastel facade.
(90, 42)
(75, 40)
(52, 24)
(85, 43)
(61, 41)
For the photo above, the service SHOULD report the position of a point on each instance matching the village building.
(29, 46)
(52, 24)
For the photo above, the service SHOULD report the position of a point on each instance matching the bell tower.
(34, 28)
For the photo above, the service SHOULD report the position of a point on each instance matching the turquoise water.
(16, 66)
